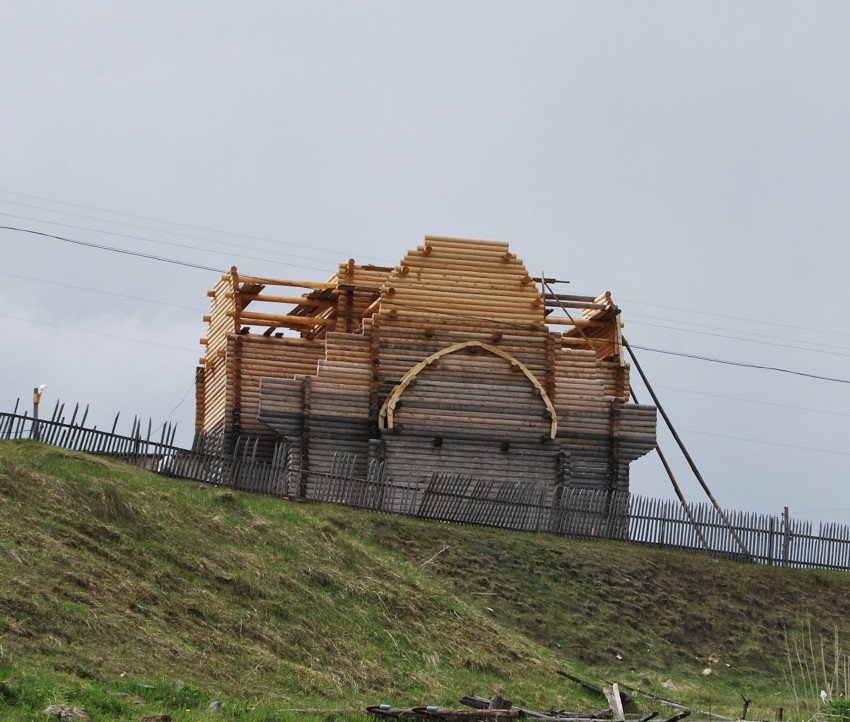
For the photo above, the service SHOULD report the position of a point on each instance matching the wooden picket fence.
(459, 498)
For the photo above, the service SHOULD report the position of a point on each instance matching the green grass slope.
(133, 595)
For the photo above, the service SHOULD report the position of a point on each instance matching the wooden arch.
(388, 408)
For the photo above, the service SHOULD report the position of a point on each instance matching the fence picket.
(448, 496)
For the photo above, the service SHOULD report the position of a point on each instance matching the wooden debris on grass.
(612, 694)
(498, 708)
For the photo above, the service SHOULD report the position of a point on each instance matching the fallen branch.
(428, 561)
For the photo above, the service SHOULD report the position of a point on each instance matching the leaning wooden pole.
(678, 490)
(687, 456)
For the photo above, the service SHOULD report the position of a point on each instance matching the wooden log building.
(455, 360)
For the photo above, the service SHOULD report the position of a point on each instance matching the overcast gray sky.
(691, 157)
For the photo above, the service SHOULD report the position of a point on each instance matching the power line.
(226, 244)
(768, 443)
(748, 334)
(161, 243)
(744, 365)
(753, 401)
(188, 264)
(104, 293)
(737, 318)
(97, 333)
(175, 223)
(124, 251)
(738, 338)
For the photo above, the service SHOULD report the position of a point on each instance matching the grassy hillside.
(132, 595)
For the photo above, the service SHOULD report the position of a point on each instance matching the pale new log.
(285, 282)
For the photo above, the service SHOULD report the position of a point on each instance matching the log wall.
(366, 365)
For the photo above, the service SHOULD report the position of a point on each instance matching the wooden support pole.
(687, 456)
(678, 491)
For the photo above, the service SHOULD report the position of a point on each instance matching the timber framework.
(455, 360)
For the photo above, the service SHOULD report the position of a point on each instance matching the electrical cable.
(98, 333)
(749, 333)
(104, 293)
(738, 338)
(743, 365)
(737, 318)
(768, 443)
(161, 243)
(226, 244)
(753, 401)
(175, 223)
(124, 251)
(188, 264)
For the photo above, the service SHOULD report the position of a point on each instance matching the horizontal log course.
(441, 424)
(280, 413)
(420, 313)
(426, 339)
(399, 322)
(412, 354)
(582, 323)
(306, 357)
(639, 415)
(484, 251)
(634, 440)
(411, 311)
(487, 416)
(448, 334)
(252, 375)
(339, 407)
(331, 387)
(462, 382)
(574, 354)
(280, 408)
(339, 338)
(460, 303)
(583, 405)
(343, 366)
(246, 298)
(460, 297)
(465, 394)
(279, 282)
(254, 357)
(575, 358)
(468, 453)
(584, 413)
(348, 353)
(586, 384)
(418, 469)
(330, 427)
(348, 377)
(268, 344)
(451, 287)
(456, 241)
(454, 272)
(451, 268)
(577, 342)
(577, 426)
(263, 319)
(355, 383)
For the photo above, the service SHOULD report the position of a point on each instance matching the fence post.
(771, 531)
(36, 399)
(786, 536)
